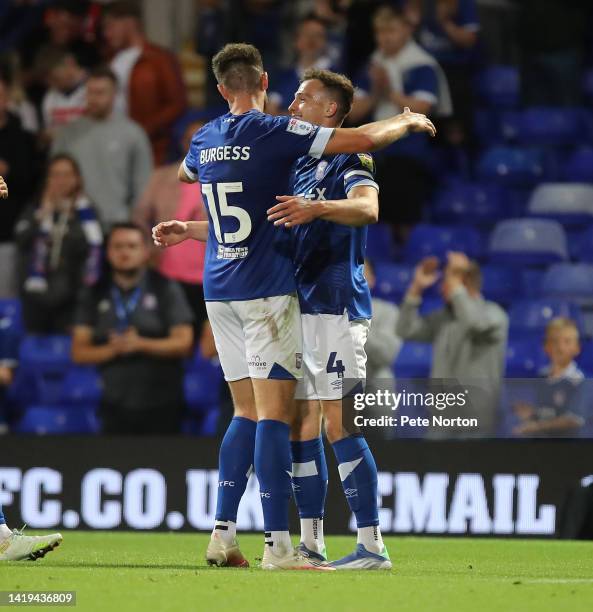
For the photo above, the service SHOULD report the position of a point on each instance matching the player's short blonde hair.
(561, 324)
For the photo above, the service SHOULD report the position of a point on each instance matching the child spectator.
(560, 408)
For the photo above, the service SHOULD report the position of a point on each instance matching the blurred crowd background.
(481, 265)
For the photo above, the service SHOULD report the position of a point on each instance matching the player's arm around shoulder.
(361, 207)
(379, 134)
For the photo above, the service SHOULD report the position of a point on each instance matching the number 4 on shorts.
(335, 366)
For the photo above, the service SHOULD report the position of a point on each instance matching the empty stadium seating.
(436, 240)
(568, 203)
(528, 242)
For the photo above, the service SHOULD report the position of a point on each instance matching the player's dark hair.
(238, 66)
(103, 72)
(123, 8)
(338, 86)
(125, 225)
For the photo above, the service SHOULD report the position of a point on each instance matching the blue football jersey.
(243, 162)
(329, 258)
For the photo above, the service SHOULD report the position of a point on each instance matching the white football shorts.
(258, 338)
(333, 356)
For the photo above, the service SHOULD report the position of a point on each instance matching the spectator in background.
(151, 88)
(113, 152)
(19, 104)
(448, 30)
(311, 52)
(62, 29)
(65, 100)
(383, 344)
(59, 241)
(18, 167)
(401, 74)
(552, 37)
(562, 406)
(136, 326)
(164, 198)
(468, 335)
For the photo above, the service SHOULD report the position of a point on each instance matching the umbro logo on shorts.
(351, 493)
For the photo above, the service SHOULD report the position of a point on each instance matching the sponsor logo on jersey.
(320, 170)
(225, 252)
(367, 161)
(226, 483)
(255, 361)
(296, 126)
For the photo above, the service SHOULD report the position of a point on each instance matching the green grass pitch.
(160, 571)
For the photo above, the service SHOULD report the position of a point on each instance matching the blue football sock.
(309, 477)
(273, 465)
(358, 474)
(2, 519)
(234, 466)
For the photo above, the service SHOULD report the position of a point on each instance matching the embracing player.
(335, 198)
(243, 160)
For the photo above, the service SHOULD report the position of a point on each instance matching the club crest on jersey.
(296, 126)
(367, 161)
(320, 170)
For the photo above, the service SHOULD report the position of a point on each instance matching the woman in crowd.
(59, 241)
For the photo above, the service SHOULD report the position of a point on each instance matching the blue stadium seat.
(82, 386)
(413, 361)
(205, 424)
(578, 167)
(585, 359)
(392, 281)
(10, 309)
(202, 383)
(528, 242)
(583, 246)
(569, 281)
(551, 127)
(380, 244)
(45, 351)
(471, 204)
(525, 358)
(498, 86)
(528, 318)
(52, 420)
(531, 282)
(501, 284)
(568, 203)
(436, 240)
(513, 166)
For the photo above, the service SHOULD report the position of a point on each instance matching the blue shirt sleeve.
(359, 170)
(190, 163)
(422, 82)
(294, 138)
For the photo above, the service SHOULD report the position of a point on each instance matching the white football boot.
(223, 554)
(291, 559)
(19, 547)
